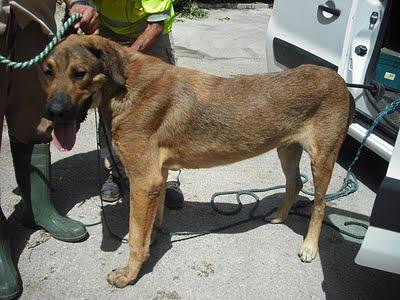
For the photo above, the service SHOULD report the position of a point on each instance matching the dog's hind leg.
(147, 184)
(289, 156)
(322, 163)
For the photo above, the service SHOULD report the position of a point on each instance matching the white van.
(360, 39)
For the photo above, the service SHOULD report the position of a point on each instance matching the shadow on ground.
(342, 277)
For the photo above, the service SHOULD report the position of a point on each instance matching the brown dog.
(165, 117)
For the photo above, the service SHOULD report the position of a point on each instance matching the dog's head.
(76, 74)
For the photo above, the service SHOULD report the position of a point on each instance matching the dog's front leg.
(146, 191)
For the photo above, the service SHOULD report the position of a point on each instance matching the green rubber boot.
(10, 281)
(32, 170)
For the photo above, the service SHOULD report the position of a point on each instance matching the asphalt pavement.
(250, 261)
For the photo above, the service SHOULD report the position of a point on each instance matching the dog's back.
(230, 119)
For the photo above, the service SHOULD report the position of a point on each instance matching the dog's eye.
(48, 73)
(78, 75)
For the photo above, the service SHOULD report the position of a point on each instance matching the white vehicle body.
(348, 36)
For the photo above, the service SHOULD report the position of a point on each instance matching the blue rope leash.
(38, 58)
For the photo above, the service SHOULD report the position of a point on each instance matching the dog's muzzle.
(60, 109)
(66, 120)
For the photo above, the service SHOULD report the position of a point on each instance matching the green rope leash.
(260, 217)
(38, 58)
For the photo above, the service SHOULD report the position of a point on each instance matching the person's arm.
(150, 34)
(89, 23)
(158, 11)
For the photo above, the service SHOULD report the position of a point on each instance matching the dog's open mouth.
(64, 132)
(64, 135)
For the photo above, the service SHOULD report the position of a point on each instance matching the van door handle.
(334, 11)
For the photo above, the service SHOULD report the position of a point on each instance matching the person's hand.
(89, 23)
(147, 38)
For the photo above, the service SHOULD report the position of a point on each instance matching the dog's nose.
(59, 109)
(55, 110)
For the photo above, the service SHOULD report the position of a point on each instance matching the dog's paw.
(274, 218)
(119, 278)
(308, 252)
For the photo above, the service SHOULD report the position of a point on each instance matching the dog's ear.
(111, 58)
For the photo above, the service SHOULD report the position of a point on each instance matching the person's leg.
(111, 189)
(173, 194)
(28, 131)
(4, 80)
(10, 281)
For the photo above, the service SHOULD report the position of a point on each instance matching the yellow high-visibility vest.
(129, 17)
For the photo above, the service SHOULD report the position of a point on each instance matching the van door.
(339, 34)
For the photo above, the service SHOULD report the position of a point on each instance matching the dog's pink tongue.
(64, 136)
